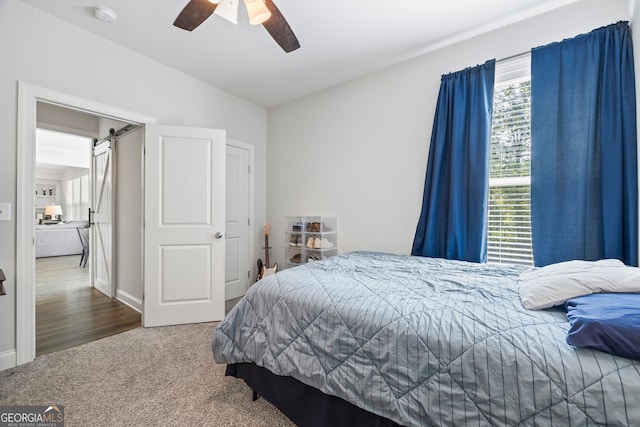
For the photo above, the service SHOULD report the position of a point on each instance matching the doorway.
(73, 295)
(28, 98)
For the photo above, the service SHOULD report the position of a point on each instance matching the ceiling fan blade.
(194, 14)
(279, 28)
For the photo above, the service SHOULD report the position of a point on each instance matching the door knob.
(218, 235)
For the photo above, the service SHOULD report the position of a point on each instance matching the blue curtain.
(584, 184)
(453, 221)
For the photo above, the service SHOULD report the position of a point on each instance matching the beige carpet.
(144, 377)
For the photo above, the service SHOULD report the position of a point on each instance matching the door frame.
(28, 97)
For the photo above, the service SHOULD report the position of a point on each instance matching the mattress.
(425, 341)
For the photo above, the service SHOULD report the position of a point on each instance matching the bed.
(379, 339)
(59, 239)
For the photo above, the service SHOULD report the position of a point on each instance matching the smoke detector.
(105, 14)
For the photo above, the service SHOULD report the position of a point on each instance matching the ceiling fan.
(265, 13)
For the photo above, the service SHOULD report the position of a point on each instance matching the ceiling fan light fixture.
(228, 9)
(258, 12)
(197, 11)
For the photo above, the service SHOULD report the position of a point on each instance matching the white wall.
(129, 212)
(53, 117)
(39, 49)
(358, 151)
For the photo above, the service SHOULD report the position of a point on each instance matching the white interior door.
(101, 240)
(237, 265)
(184, 256)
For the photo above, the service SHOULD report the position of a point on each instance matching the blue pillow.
(609, 322)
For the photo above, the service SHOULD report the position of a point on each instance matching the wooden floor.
(69, 312)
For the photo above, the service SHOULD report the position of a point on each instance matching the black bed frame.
(303, 404)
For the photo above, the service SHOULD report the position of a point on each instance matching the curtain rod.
(513, 56)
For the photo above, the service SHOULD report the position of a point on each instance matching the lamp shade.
(53, 210)
(258, 12)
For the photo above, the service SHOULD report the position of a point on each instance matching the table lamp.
(53, 211)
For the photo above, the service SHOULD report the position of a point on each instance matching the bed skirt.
(302, 404)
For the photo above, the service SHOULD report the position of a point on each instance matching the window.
(77, 197)
(509, 228)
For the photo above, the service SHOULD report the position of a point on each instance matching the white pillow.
(575, 266)
(556, 283)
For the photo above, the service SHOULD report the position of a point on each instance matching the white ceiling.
(340, 40)
(57, 151)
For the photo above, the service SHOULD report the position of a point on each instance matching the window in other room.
(509, 228)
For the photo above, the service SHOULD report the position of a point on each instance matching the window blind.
(509, 227)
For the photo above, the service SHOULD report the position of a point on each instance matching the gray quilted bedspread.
(426, 341)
